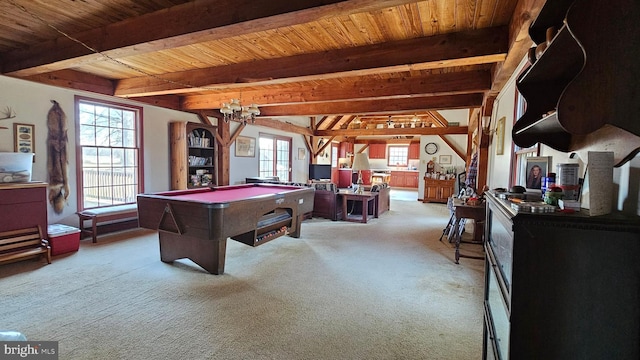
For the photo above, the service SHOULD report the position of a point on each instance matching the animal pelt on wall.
(57, 157)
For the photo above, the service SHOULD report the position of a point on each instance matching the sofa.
(328, 201)
(262, 179)
(384, 196)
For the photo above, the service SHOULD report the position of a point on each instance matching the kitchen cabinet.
(366, 177)
(438, 190)
(404, 179)
(414, 151)
(379, 177)
(348, 176)
(193, 155)
(560, 286)
(344, 178)
(377, 151)
(24, 205)
(345, 149)
(411, 180)
(577, 90)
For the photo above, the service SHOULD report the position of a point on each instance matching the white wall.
(499, 167)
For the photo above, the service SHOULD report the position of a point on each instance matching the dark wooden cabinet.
(560, 286)
(23, 205)
(377, 151)
(193, 155)
(578, 92)
(438, 190)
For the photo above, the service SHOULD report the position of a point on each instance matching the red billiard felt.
(233, 193)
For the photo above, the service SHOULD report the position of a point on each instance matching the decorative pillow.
(327, 186)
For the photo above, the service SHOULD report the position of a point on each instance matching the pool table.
(196, 223)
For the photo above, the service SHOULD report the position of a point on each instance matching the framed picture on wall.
(535, 168)
(24, 139)
(500, 136)
(444, 160)
(245, 146)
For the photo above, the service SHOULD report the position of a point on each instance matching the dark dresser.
(560, 286)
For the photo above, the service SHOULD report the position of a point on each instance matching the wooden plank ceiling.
(351, 65)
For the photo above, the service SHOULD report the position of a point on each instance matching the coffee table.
(368, 200)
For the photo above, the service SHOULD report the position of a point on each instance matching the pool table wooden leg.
(298, 221)
(208, 254)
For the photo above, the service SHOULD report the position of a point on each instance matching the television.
(319, 171)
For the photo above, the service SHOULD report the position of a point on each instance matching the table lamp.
(360, 162)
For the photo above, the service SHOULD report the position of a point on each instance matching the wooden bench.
(23, 244)
(98, 215)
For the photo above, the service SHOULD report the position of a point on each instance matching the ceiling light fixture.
(389, 122)
(236, 112)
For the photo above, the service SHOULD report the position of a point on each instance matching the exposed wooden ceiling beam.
(181, 25)
(454, 147)
(351, 88)
(472, 47)
(408, 140)
(438, 118)
(326, 122)
(519, 43)
(395, 131)
(283, 126)
(387, 106)
(336, 121)
(344, 121)
(76, 80)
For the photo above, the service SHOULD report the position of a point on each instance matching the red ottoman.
(63, 238)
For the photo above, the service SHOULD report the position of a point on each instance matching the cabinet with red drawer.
(23, 205)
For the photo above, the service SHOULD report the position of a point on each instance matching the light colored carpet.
(383, 290)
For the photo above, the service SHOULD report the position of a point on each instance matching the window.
(398, 156)
(275, 156)
(108, 153)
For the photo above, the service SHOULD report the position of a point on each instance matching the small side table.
(366, 198)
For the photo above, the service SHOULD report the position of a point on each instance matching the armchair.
(384, 196)
(327, 203)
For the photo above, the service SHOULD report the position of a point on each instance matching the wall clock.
(431, 148)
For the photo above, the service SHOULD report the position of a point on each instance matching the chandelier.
(236, 112)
